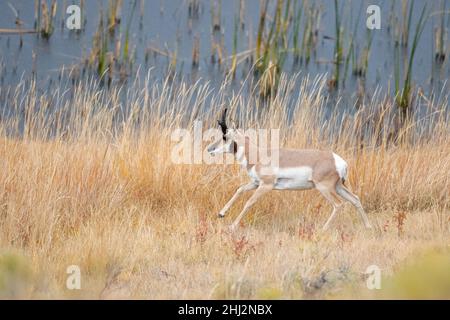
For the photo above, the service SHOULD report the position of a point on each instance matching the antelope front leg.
(241, 189)
(262, 189)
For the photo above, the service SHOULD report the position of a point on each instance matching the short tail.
(341, 167)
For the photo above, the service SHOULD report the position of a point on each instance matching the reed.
(310, 31)
(47, 17)
(99, 47)
(403, 96)
(234, 51)
(338, 48)
(141, 14)
(82, 18)
(272, 49)
(173, 63)
(261, 26)
(194, 9)
(196, 52)
(360, 68)
(216, 15)
(440, 37)
(37, 14)
(242, 14)
(407, 18)
(351, 56)
(126, 47)
(114, 12)
(286, 29)
(296, 30)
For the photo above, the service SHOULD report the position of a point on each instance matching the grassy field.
(91, 185)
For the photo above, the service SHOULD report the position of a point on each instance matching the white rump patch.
(341, 166)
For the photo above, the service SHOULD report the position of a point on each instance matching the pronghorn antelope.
(295, 170)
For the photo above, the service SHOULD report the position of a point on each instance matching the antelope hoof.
(221, 215)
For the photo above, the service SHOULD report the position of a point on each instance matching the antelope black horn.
(222, 122)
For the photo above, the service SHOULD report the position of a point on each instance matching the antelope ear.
(222, 122)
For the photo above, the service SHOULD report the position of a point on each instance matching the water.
(164, 28)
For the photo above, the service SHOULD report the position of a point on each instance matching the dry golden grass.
(105, 196)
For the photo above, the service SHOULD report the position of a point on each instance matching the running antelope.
(295, 170)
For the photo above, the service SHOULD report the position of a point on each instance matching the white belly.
(294, 178)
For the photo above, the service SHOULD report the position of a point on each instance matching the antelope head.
(227, 143)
